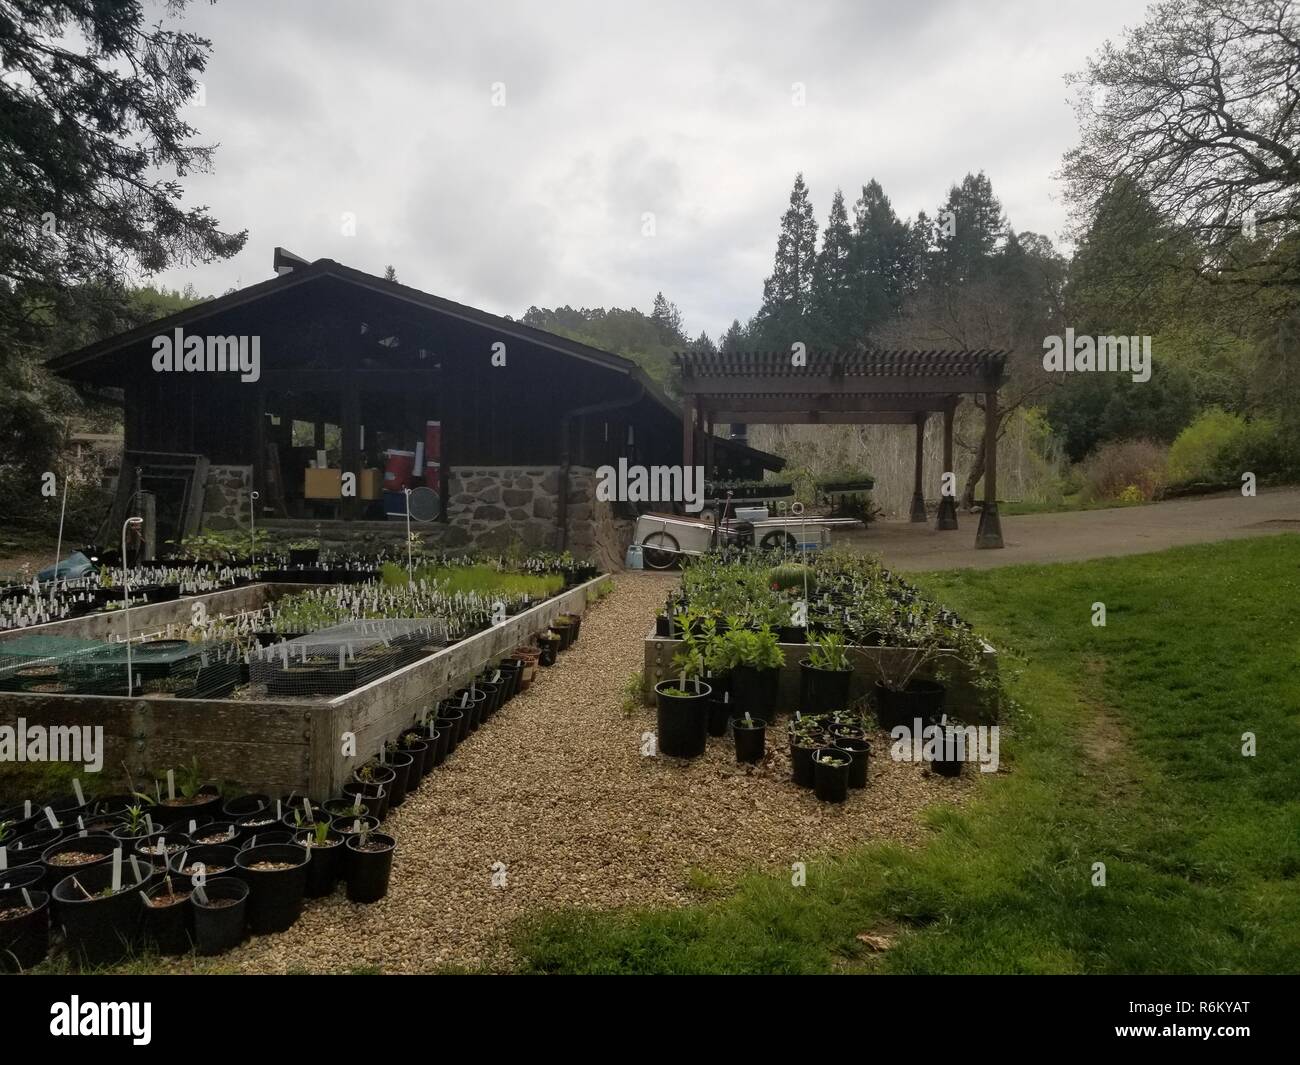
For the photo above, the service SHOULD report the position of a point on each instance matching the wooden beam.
(815, 384)
(814, 417)
(989, 533)
(688, 433)
(947, 519)
(918, 483)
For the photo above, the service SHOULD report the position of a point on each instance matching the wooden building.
(512, 420)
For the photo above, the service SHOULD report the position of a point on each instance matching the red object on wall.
(399, 468)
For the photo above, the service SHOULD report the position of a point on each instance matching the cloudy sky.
(384, 109)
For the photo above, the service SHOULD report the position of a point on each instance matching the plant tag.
(135, 867)
(749, 721)
(253, 842)
(381, 755)
(81, 822)
(356, 826)
(148, 820)
(464, 700)
(193, 827)
(28, 899)
(54, 821)
(279, 813)
(306, 807)
(4, 856)
(117, 870)
(76, 790)
(144, 898)
(726, 697)
(200, 894)
(27, 809)
(798, 716)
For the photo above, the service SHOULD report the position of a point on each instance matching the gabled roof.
(985, 363)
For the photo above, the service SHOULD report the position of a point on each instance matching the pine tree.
(834, 309)
(787, 293)
(733, 339)
(886, 259)
(704, 342)
(970, 228)
(667, 321)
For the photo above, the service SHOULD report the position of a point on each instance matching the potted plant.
(168, 919)
(211, 860)
(374, 797)
(858, 750)
(99, 908)
(24, 929)
(77, 855)
(220, 915)
(806, 738)
(947, 760)
(549, 642)
(750, 734)
(369, 866)
(682, 712)
(825, 675)
(305, 552)
(326, 865)
(831, 774)
(903, 698)
(754, 660)
(276, 875)
(191, 794)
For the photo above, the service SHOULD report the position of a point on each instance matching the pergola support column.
(947, 520)
(990, 527)
(918, 492)
(688, 432)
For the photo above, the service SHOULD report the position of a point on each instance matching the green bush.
(1220, 446)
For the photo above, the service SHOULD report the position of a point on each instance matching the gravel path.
(556, 789)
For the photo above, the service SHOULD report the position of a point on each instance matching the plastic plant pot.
(216, 861)
(860, 751)
(207, 800)
(13, 880)
(182, 826)
(471, 704)
(920, 700)
(254, 824)
(346, 807)
(801, 764)
(57, 858)
(550, 647)
(374, 773)
(277, 882)
(24, 930)
(34, 842)
(437, 745)
(369, 865)
(564, 626)
(269, 837)
(947, 764)
(755, 691)
(493, 693)
(100, 929)
(219, 923)
(218, 833)
(422, 752)
(234, 809)
(326, 866)
(751, 739)
(450, 721)
(167, 919)
(830, 781)
(402, 766)
(348, 827)
(823, 691)
(374, 797)
(683, 720)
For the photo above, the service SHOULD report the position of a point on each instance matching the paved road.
(1084, 534)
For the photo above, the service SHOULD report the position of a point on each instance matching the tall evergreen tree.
(667, 321)
(733, 339)
(970, 227)
(787, 293)
(834, 310)
(886, 254)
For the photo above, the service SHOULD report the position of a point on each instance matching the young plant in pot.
(825, 675)
(186, 791)
(902, 698)
(168, 919)
(369, 865)
(326, 865)
(100, 909)
(945, 747)
(806, 738)
(754, 660)
(549, 642)
(276, 875)
(220, 914)
(682, 709)
(305, 552)
(24, 929)
(831, 774)
(750, 734)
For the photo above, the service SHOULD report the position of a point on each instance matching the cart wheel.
(776, 539)
(660, 550)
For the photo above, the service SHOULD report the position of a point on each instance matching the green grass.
(1126, 750)
(1064, 505)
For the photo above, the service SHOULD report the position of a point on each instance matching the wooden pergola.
(859, 388)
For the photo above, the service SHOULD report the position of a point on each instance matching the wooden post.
(918, 485)
(350, 404)
(688, 433)
(947, 519)
(989, 533)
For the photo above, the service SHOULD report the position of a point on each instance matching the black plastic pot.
(422, 752)
(104, 846)
(12, 881)
(217, 861)
(337, 808)
(326, 866)
(383, 775)
(493, 693)
(471, 704)
(219, 924)
(348, 827)
(207, 800)
(374, 797)
(755, 691)
(304, 556)
(368, 870)
(437, 740)
(831, 782)
(34, 843)
(234, 809)
(565, 629)
(100, 930)
(257, 823)
(269, 837)
(202, 835)
(663, 626)
(801, 765)
(449, 722)
(403, 767)
(683, 720)
(182, 827)
(512, 669)
(169, 928)
(823, 691)
(25, 939)
(947, 764)
(751, 739)
(860, 751)
(274, 895)
(920, 700)
(550, 648)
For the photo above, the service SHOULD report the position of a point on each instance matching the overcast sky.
(384, 108)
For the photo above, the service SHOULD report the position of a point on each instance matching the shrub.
(1131, 470)
(1219, 446)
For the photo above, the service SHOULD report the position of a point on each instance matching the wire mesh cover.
(343, 657)
(55, 664)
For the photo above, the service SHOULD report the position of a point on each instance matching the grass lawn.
(1127, 750)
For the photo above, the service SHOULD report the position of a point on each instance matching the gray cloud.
(681, 109)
